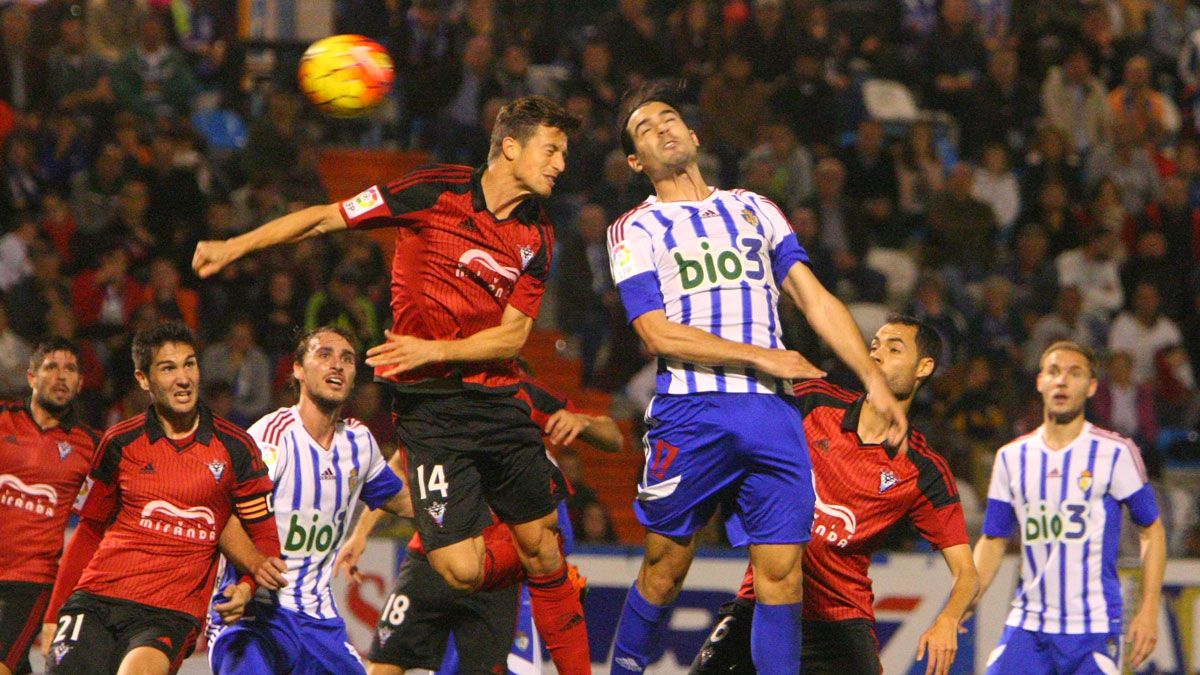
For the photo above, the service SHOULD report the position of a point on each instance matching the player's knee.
(145, 661)
(538, 545)
(461, 574)
(661, 581)
(383, 669)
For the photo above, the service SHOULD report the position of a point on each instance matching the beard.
(325, 404)
(55, 409)
(1065, 417)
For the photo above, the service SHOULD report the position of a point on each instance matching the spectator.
(962, 230)
(930, 304)
(634, 38)
(344, 305)
(976, 414)
(1150, 264)
(1178, 221)
(282, 313)
(732, 106)
(840, 226)
(273, 146)
(44, 291)
(997, 331)
(473, 85)
(1051, 160)
(595, 525)
(1128, 164)
(105, 298)
(791, 164)
(1143, 331)
(22, 71)
(238, 361)
(1031, 270)
(1066, 322)
(1175, 389)
(995, 184)
(920, 173)
(1092, 268)
(370, 406)
(696, 40)
(153, 79)
(428, 48)
(596, 78)
(94, 192)
(112, 26)
(1171, 22)
(1003, 108)
(218, 395)
(22, 189)
(768, 40)
(804, 224)
(172, 300)
(808, 103)
(512, 77)
(1151, 115)
(14, 360)
(955, 59)
(78, 76)
(618, 190)
(1124, 406)
(585, 279)
(15, 250)
(870, 169)
(63, 153)
(1074, 101)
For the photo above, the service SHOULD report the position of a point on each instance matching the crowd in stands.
(1013, 171)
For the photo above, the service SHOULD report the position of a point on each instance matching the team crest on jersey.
(353, 478)
(437, 511)
(1085, 480)
(217, 467)
(887, 479)
(821, 444)
(750, 217)
(64, 449)
(384, 634)
(1111, 648)
(526, 255)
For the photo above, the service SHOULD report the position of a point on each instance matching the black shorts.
(422, 611)
(22, 605)
(95, 633)
(827, 647)
(468, 451)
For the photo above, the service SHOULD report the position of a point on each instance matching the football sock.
(558, 615)
(637, 634)
(775, 639)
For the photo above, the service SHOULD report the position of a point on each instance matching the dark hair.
(147, 341)
(49, 345)
(929, 341)
(304, 338)
(667, 93)
(521, 118)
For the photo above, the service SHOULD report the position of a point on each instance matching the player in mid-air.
(700, 272)
(422, 611)
(321, 465)
(863, 489)
(45, 453)
(473, 251)
(144, 555)
(1062, 487)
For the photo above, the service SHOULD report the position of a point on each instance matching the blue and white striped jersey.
(1067, 504)
(316, 494)
(716, 265)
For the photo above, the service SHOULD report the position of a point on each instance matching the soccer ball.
(346, 75)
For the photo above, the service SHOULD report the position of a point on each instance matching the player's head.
(325, 366)
(1066, 380)
(166, 366)
(54, 375)
(907, 350)
(530, 138)
(654, 136)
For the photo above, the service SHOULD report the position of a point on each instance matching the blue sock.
(775, 639)
(637, 634)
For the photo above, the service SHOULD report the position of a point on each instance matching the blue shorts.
(1031, 653)
(744, 450)
(278, 640)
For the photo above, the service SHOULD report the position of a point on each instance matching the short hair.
(521, 118)
(50, 345)
(148, 340)
(304, 338)
(929, 340)
(1070, 346)
(667, 93)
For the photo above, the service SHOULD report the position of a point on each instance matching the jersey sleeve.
(937, 512)
(631, 259)
(531, 285)
(1131, 486)
(999, 519)
(542, 402)
(381, 482)
(252, 488)
(394, 204)
(273, 456)
(784, 248)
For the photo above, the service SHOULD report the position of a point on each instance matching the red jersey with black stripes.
(168, 501)
(456, 266)
(862, 491)
(41, 473)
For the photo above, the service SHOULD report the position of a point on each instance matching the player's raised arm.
(212, 256)
(832, 321)
(497, 343)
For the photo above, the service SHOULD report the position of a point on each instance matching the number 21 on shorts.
(436, 483)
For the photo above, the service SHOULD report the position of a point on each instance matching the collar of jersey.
(528, 212)
(850, 426)
(204, 429)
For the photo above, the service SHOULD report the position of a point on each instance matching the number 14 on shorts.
(436, 483)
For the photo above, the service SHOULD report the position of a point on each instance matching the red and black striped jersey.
(456, 266)
(862, 491)
(41, 472)
(171, 500)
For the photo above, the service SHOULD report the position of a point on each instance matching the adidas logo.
(149, 468)
(628, 664)
(709, 214)
(468, 225)
(327, 474)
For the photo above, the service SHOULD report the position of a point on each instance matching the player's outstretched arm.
(498, 343)
(356, 543)
(833, 322)
(668, 339)
(1143, 629)
(235, 544)
(941, 640)
(212, 256)
(598, 431)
